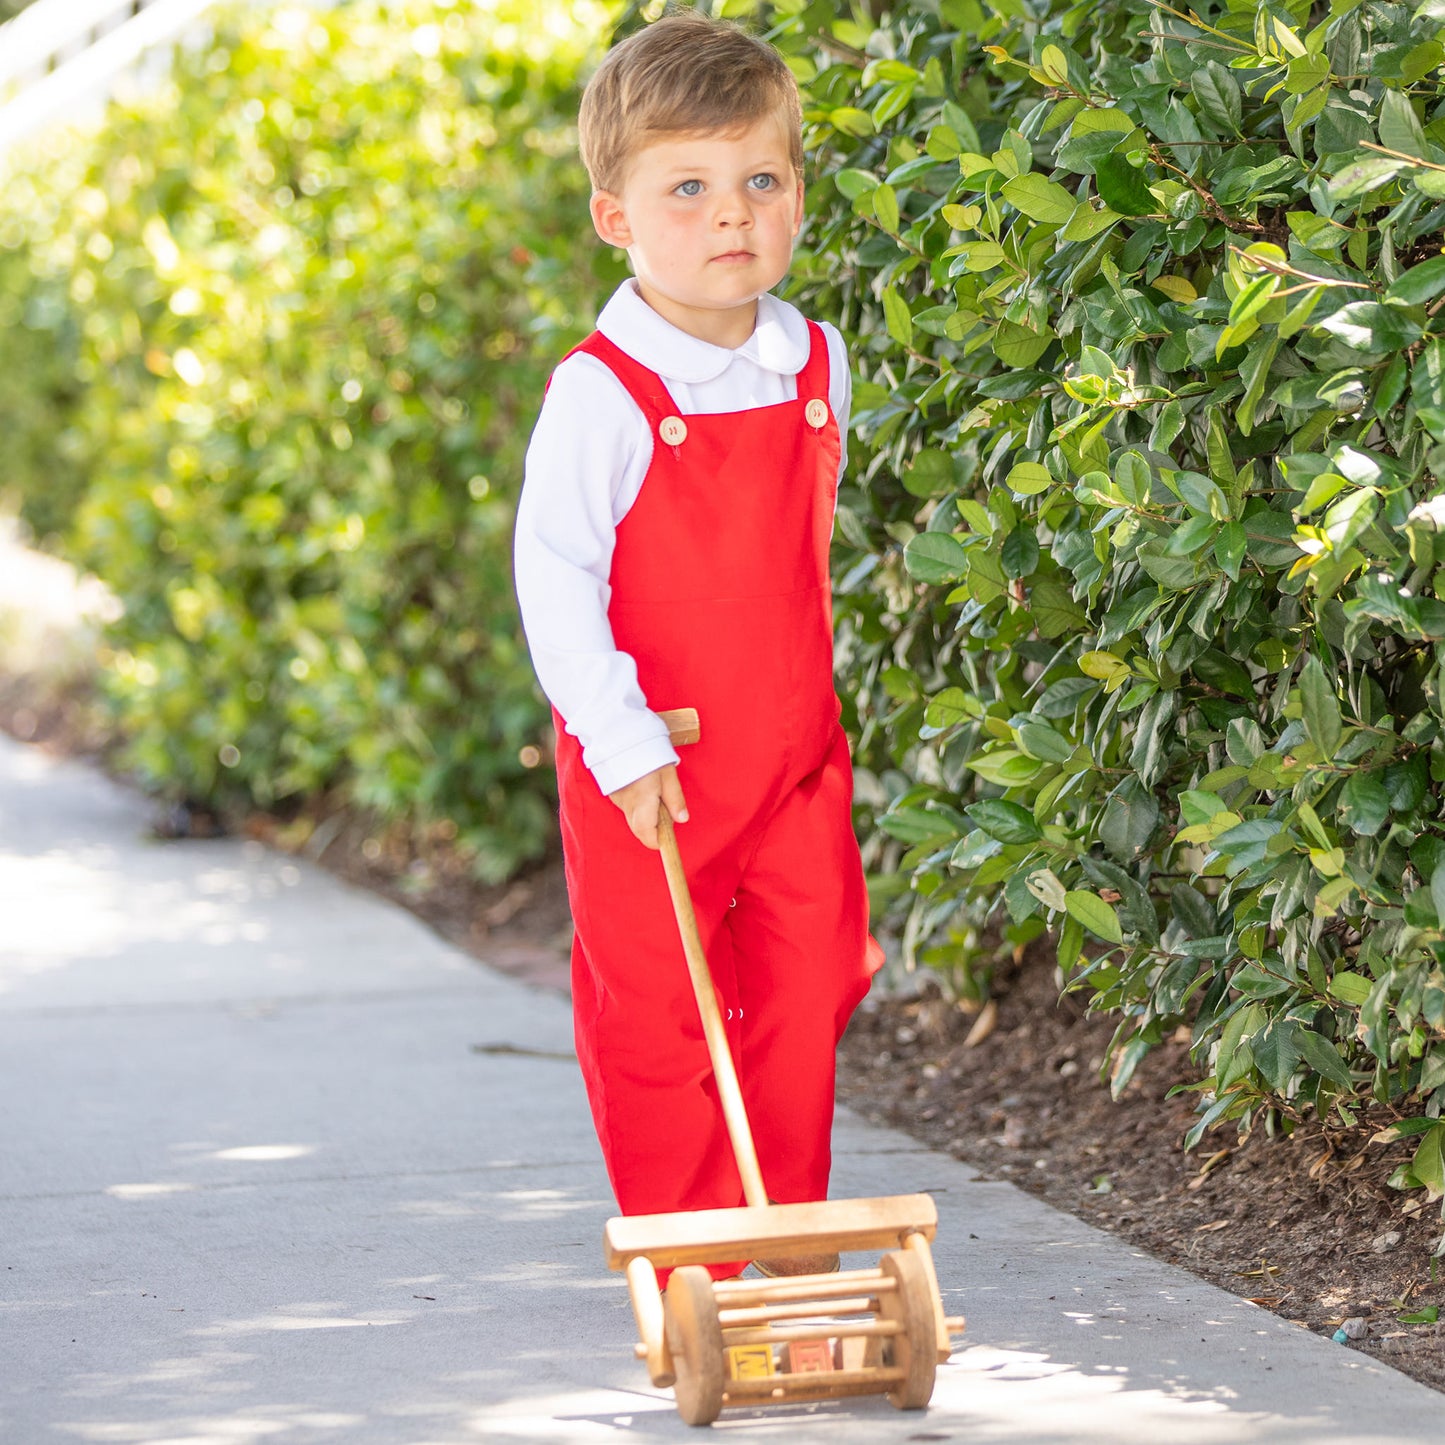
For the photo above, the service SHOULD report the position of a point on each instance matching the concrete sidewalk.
(278, 1165)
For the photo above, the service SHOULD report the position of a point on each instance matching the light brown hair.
(681, 75)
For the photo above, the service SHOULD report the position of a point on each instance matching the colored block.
(810, 1357)
(750, 1362)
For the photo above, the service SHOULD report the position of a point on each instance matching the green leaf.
(1040, 741)
(1428, 55)
(1133, 477)
(1361, 177)
(1126, 1061)
(1364, 804)
(1054, 64)
(948, 709)
(1020, 553)
(1040, 199)
(1194, 911)
(1122, 187)
(1253, 299)
(1427, 380)
(1224, 673)
(1221, 465)
(1323, 1057)
(1400, 128)
(1419, 284)
(1305, 73)
(1372, 327)
(855, 183)
(1055, 613)
(1229, 548)
(1008, 822)
(930, 473)
(1105, 118)
(1235, 1057)
(916, 826)
(1201, 494)
(1277, 1051)
(986, 580)
(1218, 94)
(978, 256)
(897, 316)
(1088, 223)
(1437, 897)
(1129, 820)
(1172, 572)
(885, 207)
(1020, 346)
(1323, 488)
(1428, 1165)
(851, 121)
(1061, 699)
(1350, 988)
(935, 558)
(1096, 915)
(943, 143)
(1321, 708)
(1029, 478)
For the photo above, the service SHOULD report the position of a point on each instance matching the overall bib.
(720, 593)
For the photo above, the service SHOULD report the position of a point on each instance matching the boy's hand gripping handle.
(734, 1112)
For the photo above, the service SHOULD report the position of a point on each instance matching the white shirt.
(586, 463)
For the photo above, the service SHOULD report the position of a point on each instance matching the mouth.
(734, 256)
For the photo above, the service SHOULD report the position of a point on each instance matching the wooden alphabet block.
(810, 1357)
(750, 1362)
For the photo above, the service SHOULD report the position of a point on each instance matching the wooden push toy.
(743, 1342)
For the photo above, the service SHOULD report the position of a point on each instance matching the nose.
(733, 209)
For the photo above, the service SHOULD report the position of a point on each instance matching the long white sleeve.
(591, 445)
(586, 463)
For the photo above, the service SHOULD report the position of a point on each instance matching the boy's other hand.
(640, 801)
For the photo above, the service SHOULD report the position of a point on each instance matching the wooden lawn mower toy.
(746, 1342)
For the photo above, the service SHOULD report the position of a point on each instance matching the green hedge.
(1140, 599)
(275, 340)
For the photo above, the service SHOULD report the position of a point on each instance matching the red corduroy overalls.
(720, 592)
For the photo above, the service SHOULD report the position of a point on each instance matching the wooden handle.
(735, 1113)
(683, 726)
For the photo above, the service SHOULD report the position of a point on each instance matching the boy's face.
(708, 222)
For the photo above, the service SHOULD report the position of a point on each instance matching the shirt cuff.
(633, 763)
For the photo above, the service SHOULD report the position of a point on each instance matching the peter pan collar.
(779, 343)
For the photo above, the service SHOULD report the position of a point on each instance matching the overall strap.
(813, 378)
(645, 387)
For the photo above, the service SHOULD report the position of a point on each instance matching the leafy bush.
(1140, 606)
(300, 308)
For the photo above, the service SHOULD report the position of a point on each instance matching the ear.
(798, 209)
(609, 220)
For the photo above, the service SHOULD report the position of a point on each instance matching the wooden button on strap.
(816, 413)
(673, 430)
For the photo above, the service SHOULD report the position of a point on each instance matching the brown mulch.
(1303, 1225)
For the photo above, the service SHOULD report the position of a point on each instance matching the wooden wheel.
(695, 1339)
(914, 1349)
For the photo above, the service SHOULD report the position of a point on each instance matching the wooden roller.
(732, 1343)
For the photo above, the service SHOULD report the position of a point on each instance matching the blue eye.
(764, 181)
(690, 188)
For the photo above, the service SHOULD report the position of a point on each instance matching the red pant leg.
(639, 1036)
(804, 960)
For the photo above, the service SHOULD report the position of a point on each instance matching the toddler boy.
(672, 552)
